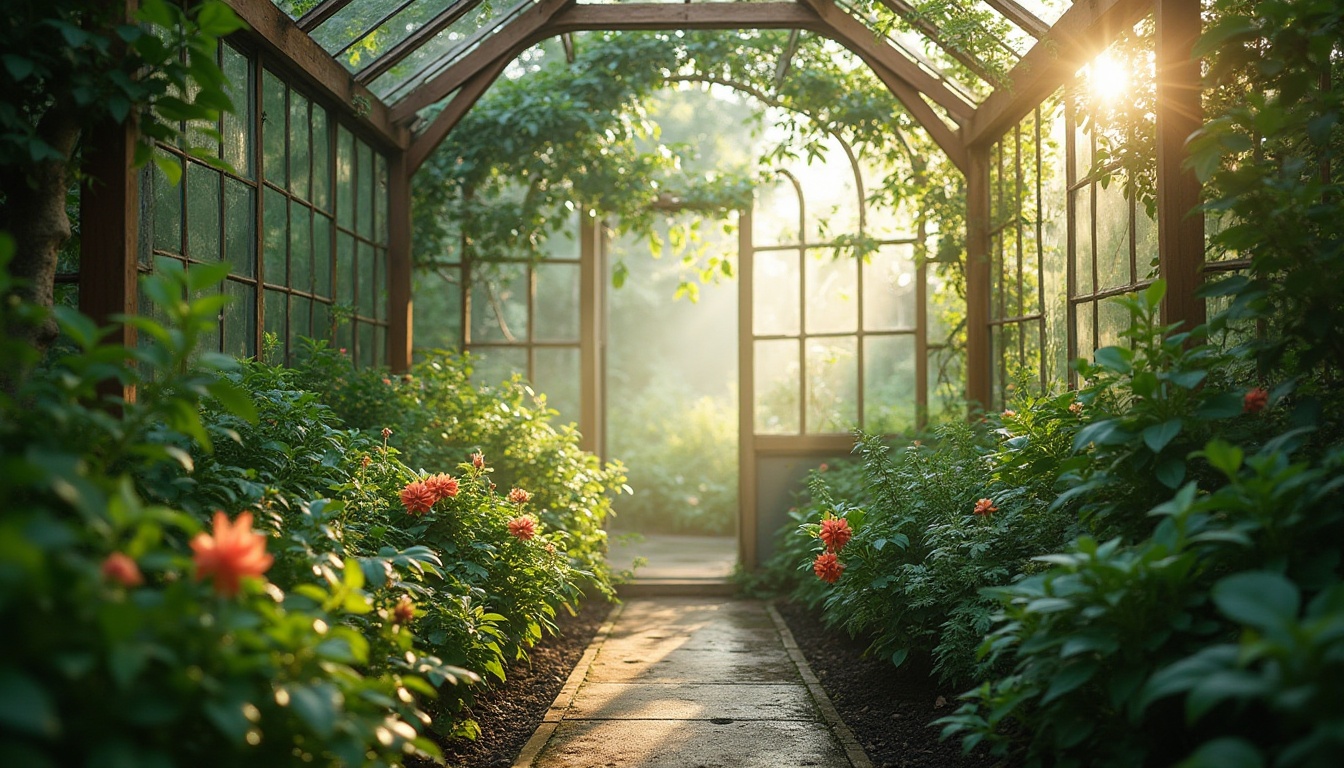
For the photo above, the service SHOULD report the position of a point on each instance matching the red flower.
(828, 567)
(823, 467)
(1255, 400)
(836, 533)
(523, 528)
(478, 460)
(123, 570)
(519, 496)
(404, 611)
(232, 553)
(417, 497)
(984, 507)
(387, 381)
(366, 461)
(442, 486)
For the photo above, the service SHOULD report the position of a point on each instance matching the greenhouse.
(671, 383)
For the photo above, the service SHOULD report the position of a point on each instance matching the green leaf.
(1259, 599)
(230, 718)
(619, 273)
(1224, 457)
(1115, 359)
(1171, 472)
(1225, 752)
(19, 67)
(1069, 678)
(898, 657)
(1158, 436)
(235, 399)
(25, 705)
(1224, 405)
(316, 705)
(170, 166)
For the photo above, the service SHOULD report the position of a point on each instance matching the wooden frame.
(592, 334)
(748, 523)
(413, 41)
(429, 139)
(1024, 19)
(912, 17)
(400, 308)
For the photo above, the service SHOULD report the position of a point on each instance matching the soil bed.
(888, 708)
(510, 713)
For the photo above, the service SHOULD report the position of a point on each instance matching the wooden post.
(746, 399)
(400, 309)
(978, 352)
(1180, 226)
(109, 224)
(592, 282)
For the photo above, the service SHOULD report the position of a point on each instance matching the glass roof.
(396, 46)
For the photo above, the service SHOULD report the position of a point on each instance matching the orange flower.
(387, 432)
(417, 497)
(123, 570)
(1076, 408)
(443, 486)
(519, 496)
(231, 554)
(404, 611)
(523, 528)
(828, 567)
(366, 461)
(984, 507)
(1255, 400)
(478, 460)
(1010, 414)
(836, 533)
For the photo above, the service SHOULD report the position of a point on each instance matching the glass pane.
(499, 295)
(300, 317)
(321, 320)
(380, 282)
(1112, 236)
(203, 207)
(380, 199)
(438, 310)
(240, 319)
(947, 385)
(237, 126)
(777, 385)
(439, 51)
(321, 158)
(557, 376)
(832, 292)
(345, 178)
(775, 217)
(240, 223)
(832, 385)
(300, 247)
(889, 384)
(1112, 320)
(322, 255)
(565, 243)
(277, 322)
(167, 208)
(276, 239)
(492, 365)
(366, 284)
(368, 345)
(345, 270)
(273, 111)
(889, 289)
(944, 311)
(775, 287)
(1145, 243)
(1082, 228)
(557, 304)
(364, 190)
(300, 144)
(1085, 320)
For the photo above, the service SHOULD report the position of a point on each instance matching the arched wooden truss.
(463, 70)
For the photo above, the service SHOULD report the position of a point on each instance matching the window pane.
(889, 289)
(557, 376)
(499, 302)
(366, 284)
(777, 396)
(364, 184)
(380, 199)
(1086, 324)
(277, 321)
(1112, 320)
(557, 303)
(300, 143)
(889, 384)
(321, 320)
(345, 178)
(240, 224)
(238, 123)
(300, 247)
(832, 292)
(438, 310)
(321, 159)
(167, 208)
(775, 217)
(1112, 236)
(832, 384)
(273, 112)
(276, 223)
(775, 287)
(492, 365)
(1082, 228)
(240, 319)
(300, 317)
(368, 345)
(345, 270)
(380, 282)
(947, 385)
(322, 255)
(203, 213)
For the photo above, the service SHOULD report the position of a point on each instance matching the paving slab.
(692, 682)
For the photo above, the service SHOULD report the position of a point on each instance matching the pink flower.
(523, 527)
(984, 507)
(122, 569)
(519, 496)
(1010, 414)
(835, 533)
(1076, 408)
(824, 466)
(417, 497)
(1255, 400)
(387, 381)
(342, 350)
(404, 611)
(828, 567)
(443, 486)
(234, 552)
(478, 460)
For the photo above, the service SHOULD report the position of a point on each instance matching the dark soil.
(510, 713)
(888, 708)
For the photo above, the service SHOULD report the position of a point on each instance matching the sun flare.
(1108, 78)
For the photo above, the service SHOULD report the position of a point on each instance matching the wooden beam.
(423, 145)
(400, 309)
(935, 35)
(747, 522)
(947, 139)
(1180, 223)
(519, 34)
(385, 61)
(978, 278)
(1026, 20)
(592, 286)
(861, 39)
(1080, 34)
(280, 37)
(319, 14)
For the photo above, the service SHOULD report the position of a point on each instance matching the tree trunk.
(37, 220)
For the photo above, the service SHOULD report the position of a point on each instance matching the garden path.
(692, 682)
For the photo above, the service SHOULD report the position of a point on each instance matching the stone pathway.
(692, 683)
